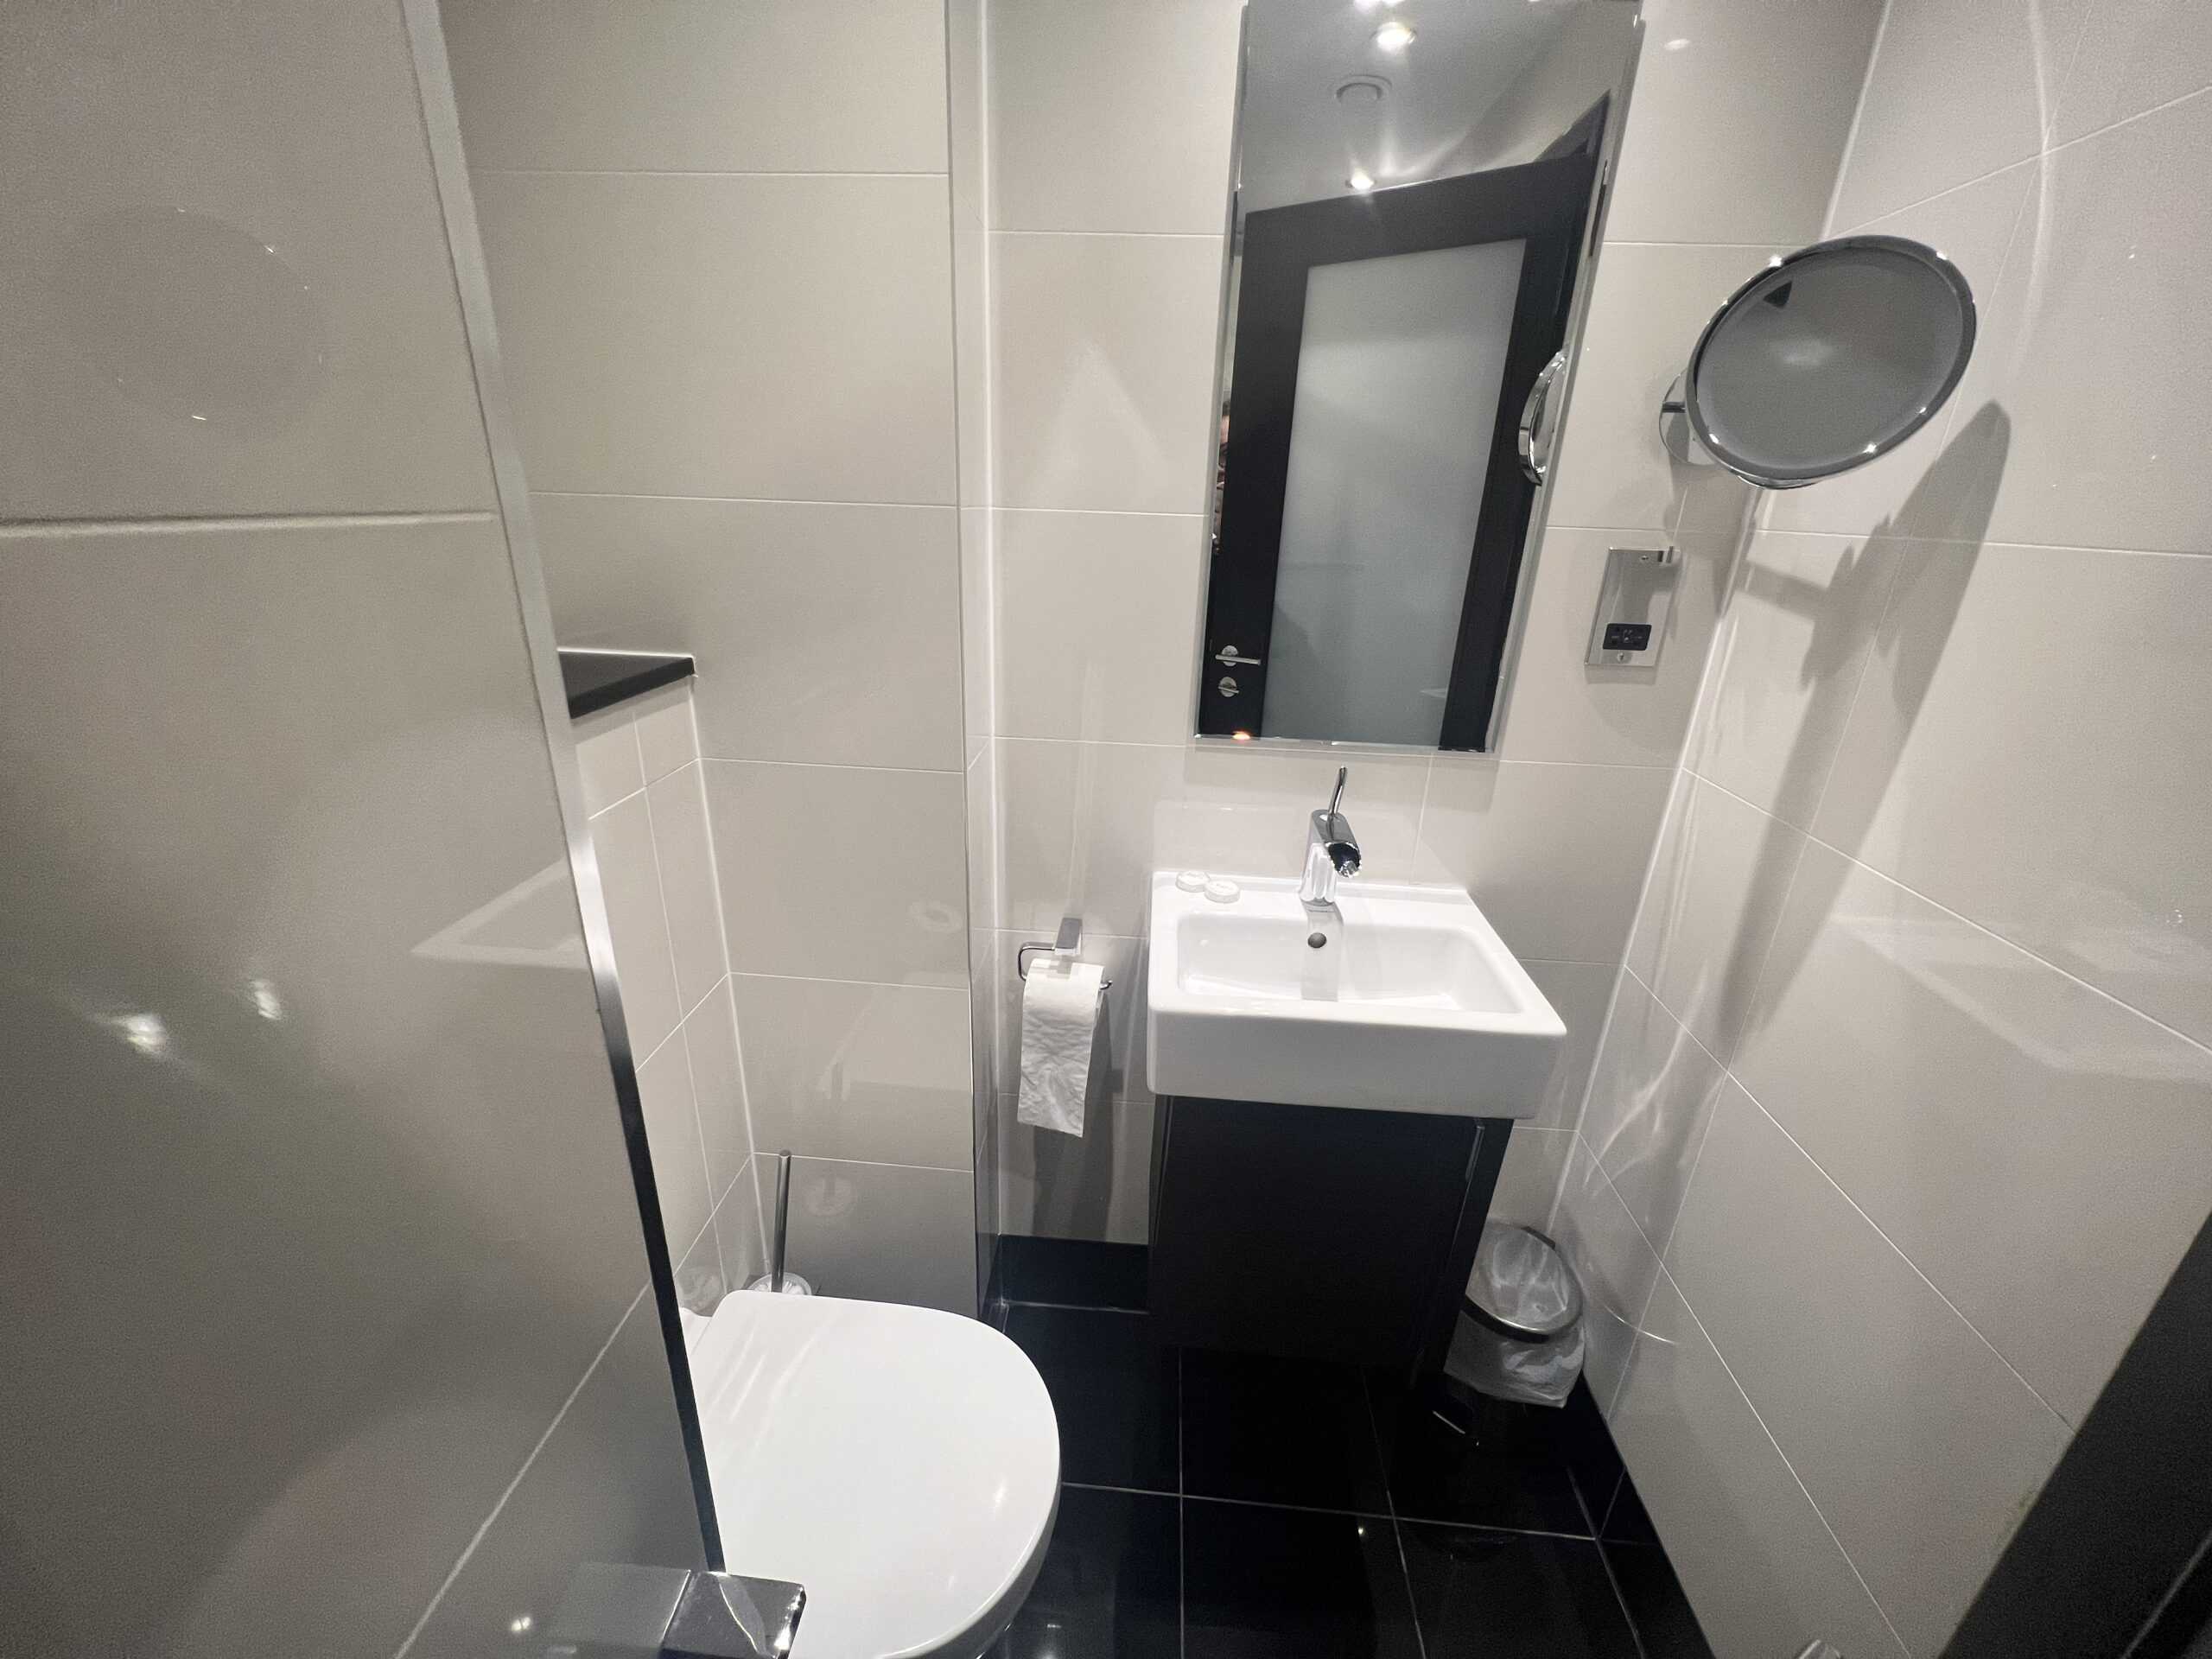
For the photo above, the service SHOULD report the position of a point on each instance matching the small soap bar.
(1192, 881)
(1222, 890)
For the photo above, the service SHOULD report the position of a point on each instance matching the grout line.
(1637, 1325)
(874, 1163)
(49, 528)
(1390, 1502)
(1149, 236)
(1194, 517)
(593, 818)
(878, 984)
(1957, 916)
(1182, 1485)
(1689, 1178)
(1857, 118)
(1312, 1508)
(461, 1561)
(2067, 1422)
(957, 773)
(2090, 9)
(2124, 120)
(741, 500)
(1294, 1509)
(1182, 1529)
(1689, 1185)
(1614, 1502)
(1647, 242)
(2040, 156)
(704, 173)
(1343, 755)
(668, 933)
(1903, 1648)
(703, 1000)
(1606, 1561)
(2000, 548)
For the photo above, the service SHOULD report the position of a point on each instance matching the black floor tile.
(1625, 1522)
(1588, 1446)
(1279, 1431)
(1113, 1389)
(1110, 1586)
(1506, 1595)
(1655, 1602)
(1072, 1273)
(1493, 1463)
(1291, 1584)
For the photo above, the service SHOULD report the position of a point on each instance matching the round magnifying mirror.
(1827, 359)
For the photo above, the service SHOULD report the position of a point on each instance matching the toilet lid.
(901, 1463)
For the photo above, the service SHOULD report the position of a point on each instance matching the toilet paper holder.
(1068, 942)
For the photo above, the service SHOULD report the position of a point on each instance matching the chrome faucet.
(1331, 849)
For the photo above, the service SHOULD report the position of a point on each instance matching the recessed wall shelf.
(600, 679)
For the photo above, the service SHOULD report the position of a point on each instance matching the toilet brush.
(775, 1280)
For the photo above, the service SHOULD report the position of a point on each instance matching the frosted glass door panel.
(1399, 367)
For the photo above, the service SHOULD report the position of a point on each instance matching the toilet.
(902, 1463)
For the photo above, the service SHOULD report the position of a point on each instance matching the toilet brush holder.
(775, 1280)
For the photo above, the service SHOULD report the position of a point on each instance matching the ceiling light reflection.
(147, 1032)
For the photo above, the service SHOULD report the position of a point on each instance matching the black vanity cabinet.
(1316, 1232)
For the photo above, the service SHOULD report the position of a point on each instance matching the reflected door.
(1373, 507)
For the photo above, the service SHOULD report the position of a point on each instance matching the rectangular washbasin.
(1408, 1002)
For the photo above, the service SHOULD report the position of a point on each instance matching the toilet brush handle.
(782, 1222)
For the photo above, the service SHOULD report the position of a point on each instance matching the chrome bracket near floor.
(615, 1610)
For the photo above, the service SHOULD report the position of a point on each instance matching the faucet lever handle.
(1336, 799)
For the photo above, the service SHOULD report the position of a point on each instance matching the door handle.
(1230, 657)
(1532, 432)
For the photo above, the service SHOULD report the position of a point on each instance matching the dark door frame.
(1544, 203)
(2114, 1560)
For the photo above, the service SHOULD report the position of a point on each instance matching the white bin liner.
(1519, 1333)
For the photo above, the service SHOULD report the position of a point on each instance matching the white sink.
(1411, 1004)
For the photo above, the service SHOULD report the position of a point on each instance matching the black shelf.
(600, 679)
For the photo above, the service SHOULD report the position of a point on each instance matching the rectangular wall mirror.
(1415, 194)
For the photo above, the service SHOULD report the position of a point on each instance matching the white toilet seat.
(901, 1463)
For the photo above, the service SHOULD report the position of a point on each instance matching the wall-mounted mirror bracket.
(1682, 445)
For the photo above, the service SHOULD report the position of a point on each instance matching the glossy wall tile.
(616, 293)
(307, 1097)
(224, 289)
(612, 85)
(656, 864)
(726, 295)
(824, 634)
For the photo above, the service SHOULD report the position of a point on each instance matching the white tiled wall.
(1900, 1121)
(1105, 281)
(648, 814)
(720, 242)
(339, 1319)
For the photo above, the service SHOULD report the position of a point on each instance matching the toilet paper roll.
(1061, 1006)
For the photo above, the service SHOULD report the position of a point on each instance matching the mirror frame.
(1921, 253)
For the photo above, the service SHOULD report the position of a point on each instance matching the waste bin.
(1520, 1330)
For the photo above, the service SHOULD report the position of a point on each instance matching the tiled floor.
(1217, 1506)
